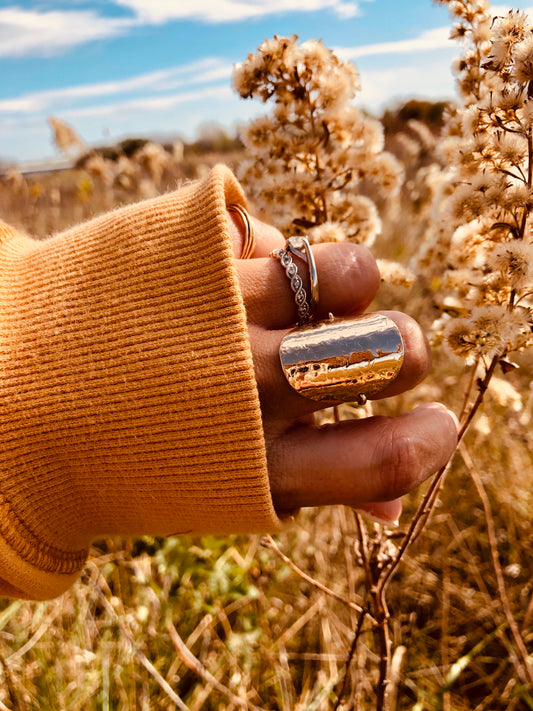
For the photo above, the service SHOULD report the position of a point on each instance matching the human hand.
(369, 463)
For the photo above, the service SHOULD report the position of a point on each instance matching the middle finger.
(348, 280)
(277, 396)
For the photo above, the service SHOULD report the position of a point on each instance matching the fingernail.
(379, 519)
(440, 406)
(342, 359)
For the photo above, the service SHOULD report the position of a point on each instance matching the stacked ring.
(343, 360)
(249, 232)
(300, 247)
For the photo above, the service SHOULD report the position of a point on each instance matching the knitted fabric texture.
(127, 394)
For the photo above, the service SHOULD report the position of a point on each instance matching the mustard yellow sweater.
(128, 403)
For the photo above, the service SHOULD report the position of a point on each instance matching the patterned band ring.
(299, 246)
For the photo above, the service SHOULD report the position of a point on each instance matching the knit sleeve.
(127, 394)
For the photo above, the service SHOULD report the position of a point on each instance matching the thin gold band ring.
(248, 246)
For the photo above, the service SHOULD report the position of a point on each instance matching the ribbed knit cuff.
(127, 390)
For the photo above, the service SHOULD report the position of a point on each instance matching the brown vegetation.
(290, 623)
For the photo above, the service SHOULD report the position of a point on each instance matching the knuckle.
(351, 270)
(402, 463)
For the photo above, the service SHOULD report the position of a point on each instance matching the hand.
(368, 463)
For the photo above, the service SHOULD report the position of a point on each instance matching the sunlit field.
(335, 612)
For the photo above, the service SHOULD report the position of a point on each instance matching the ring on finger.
(248, 246)
(300, 247)
(347, 359)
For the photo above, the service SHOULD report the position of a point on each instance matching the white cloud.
(31, 32)
(498, 10)
(437, 38)
(381, 88)
(203, 71)
(25, 32)
(149, 103)
(215, 11)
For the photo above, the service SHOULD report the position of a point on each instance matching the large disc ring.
(345, 359)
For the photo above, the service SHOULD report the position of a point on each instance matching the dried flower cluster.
(309, 157)
(141, 173)
(65, 137)
(484, 241)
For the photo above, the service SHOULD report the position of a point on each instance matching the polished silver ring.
(300, 247)
(343, 360)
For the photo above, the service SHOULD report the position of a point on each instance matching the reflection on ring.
(343, 359)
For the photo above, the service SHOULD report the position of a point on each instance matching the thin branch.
(424, 511)
(525, 670)
(143, 659)
(363, 539)
(351, 655)
(469, 388)
(272, 543)
(499, 169)
(18, 704)
(194, 664)
(379, 604)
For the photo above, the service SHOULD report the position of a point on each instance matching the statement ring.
(248, 246)
(300, 247)
(345, 359)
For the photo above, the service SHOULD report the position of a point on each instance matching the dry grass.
(226, 623)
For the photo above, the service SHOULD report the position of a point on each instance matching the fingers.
(348, 277)
(277, 396)
(367, 464)
(267, 237)
(348, 281)
(358, 461)
(387, 512)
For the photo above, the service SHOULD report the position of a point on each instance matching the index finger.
(267, 237)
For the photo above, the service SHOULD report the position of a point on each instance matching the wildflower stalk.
(301, 162)
(373, 572)
(490, 150)
(268, 540)
(425, 509)
(310, 156)
(350, 658)
(525, 670)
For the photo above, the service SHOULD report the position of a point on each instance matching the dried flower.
(506, 394)
(396, 274)
(65, 137)
(515, 260)
(486, 222)
(311, 154)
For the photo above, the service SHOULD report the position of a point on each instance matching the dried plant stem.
(396, 667)
(43, 628)
(381, 613)
(469, 389)
(417, 524)
(194, 664)
(385, 646)
(143, 659)
(272, 543)
(426, 507)
(525, 670)
(18, 704)
(351, 655)
(445, 619)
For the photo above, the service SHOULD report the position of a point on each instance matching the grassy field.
(251, 622)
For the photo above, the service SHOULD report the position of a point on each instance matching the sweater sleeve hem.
(146, 419)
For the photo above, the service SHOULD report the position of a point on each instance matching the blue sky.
(113, 68)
